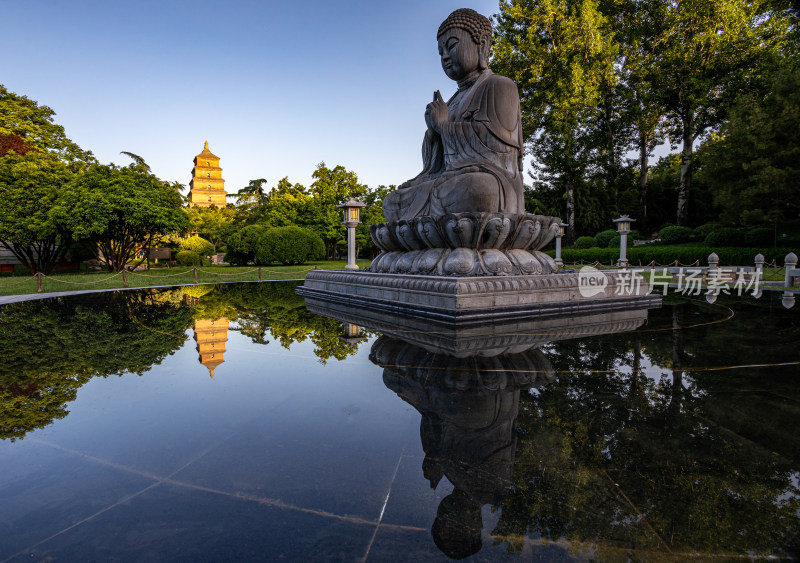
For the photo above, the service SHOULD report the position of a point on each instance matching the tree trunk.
(644, 170)
(686, 172)
(570, 212)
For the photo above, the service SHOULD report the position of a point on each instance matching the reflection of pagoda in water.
(211, 336)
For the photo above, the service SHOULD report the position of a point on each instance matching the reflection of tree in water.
(273, 309)
(628, 453)
(611, 458)
(50, 348)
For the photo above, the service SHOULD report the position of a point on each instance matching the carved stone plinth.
(466, 244)
(466, 300)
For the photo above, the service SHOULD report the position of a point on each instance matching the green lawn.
(20, 285)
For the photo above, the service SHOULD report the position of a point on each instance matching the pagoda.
(207, 187)
(211, 336)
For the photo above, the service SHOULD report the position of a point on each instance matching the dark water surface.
(674, 436)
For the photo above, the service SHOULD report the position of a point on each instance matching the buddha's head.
(465, 39)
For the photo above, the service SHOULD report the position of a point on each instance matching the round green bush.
(289, 245)
(241, 245)
(701, 232)
(675, 234)
(601, 239)
(584, 242)
(198, 245)
(760, 236)
(189, 258)
(725, 236)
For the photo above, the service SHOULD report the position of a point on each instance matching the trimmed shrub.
(601, 239)
(675, 234)
(760, 236)
(725, 236)
(189, 258)
(242, 245)
(289, 245)
(584, 242)
(198, 245)
(701, 232)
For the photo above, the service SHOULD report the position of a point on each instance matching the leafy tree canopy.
(25, 118)
(119, 211)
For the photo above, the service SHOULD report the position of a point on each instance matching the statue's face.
(460, 55)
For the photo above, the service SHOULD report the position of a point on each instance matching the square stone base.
(478, 299)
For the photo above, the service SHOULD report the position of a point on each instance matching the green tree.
(704, 53)
(118, 211)
(752, 165)
(213, 223)
(560, 54)
(288, 204)
(331, 187)
(30, 187)
(250, 199)
(32, 122)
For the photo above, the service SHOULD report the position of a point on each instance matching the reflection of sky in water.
(281, 455)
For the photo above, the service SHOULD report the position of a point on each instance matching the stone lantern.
(352, 212)
(623, 228)
(559, 235)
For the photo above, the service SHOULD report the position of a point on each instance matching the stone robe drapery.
(475, 163)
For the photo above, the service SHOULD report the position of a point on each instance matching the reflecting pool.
(232, 422)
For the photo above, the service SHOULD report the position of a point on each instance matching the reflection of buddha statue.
(469, 410)
(472, 151)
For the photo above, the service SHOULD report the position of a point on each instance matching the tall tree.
(559, 53)
(331, 187)
(705, 53)
(30, 186)
(32, 122)
(752, 166)
(119, 211)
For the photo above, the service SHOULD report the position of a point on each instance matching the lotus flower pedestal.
(470, 268)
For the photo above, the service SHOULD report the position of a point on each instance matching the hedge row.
(667, 255)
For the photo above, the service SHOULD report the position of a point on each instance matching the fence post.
(790, 263)
(713, 266)
(259, 273)
(124, 278)
(759, 260)
(39, 281)
(195, 274)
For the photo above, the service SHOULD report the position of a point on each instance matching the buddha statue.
(464, 214)
(472, 150)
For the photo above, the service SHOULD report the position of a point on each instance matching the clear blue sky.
(275, 87)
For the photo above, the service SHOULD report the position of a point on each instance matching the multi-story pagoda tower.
(207, 187)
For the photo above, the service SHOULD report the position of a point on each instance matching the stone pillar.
(558, 259)
(713, 265)
(790, 263)
(623, 250)
(351, 245)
